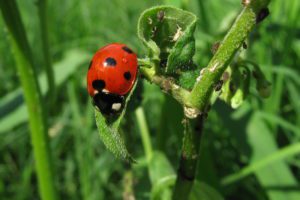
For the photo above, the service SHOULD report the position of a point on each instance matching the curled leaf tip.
(167, 33)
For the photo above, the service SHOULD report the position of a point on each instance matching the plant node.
(191, 113)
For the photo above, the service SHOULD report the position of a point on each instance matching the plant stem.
(166, 84)
(241, 28)
(189, 157)
(200, 95)
(37, 120)
(128, 182)
(42, 10)
(142, 124)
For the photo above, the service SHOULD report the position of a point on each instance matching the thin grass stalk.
(32, 94)
(143, 127)
(42, 10)
(81, 151)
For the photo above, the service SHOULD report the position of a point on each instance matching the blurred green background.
(261, 137)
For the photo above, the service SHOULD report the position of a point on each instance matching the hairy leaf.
(162, 176)
(108, 128)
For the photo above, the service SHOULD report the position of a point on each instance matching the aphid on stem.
(245, 46)
(160, 15)
(225, 76)
(219, 85)
(215, 47)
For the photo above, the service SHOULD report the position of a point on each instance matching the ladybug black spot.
(127, 76)
(98, 85)
(90, 64)
(125, 48)
(110, 62)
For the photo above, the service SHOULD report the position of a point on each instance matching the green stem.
(42, 10)
(128, 183)
(189, 157)
(166, 84)
(240, 30)
(279, 155)
(198, 101)
(142, 124)
(37, 120)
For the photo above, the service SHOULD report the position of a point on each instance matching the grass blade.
(278, 175)
(37, 120)
(13, 110)
(279, 155)
(42, 8)
(143, 127)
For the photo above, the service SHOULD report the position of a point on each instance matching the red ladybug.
(111, 75)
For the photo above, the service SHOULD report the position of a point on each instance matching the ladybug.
(111, 75)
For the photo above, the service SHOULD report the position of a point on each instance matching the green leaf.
(236, 85)
(110, 135)
(277, 175)
(159, 166)
(263, 86)
(242, 88)
(187, 79)
(203, 191)
(227, 89)
(162, 176)
(167, 32)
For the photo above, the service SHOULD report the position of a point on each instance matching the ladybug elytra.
(111, 75)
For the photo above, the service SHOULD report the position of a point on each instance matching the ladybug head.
(108, 103)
